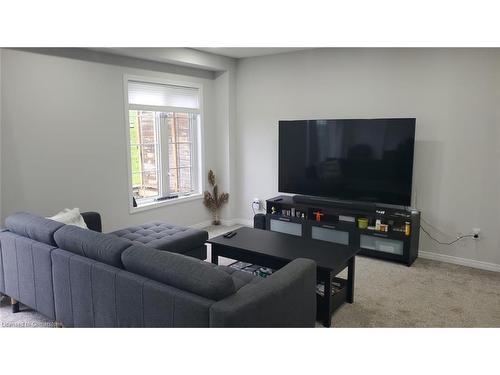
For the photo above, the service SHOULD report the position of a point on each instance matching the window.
(164, 146)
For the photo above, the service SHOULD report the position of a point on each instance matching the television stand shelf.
(394, 238)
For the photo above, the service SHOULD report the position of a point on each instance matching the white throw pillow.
(70, 217)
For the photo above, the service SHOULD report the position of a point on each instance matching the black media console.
(381, 231)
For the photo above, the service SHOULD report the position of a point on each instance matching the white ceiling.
(241, 52)
(194, 57)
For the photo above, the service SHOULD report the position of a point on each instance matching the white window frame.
(198, 166)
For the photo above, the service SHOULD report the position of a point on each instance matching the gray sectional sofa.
(142, 277)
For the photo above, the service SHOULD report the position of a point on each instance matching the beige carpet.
(427, 294)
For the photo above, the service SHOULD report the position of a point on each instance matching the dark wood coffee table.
(275, 250)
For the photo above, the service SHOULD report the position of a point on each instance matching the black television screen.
(354, 160)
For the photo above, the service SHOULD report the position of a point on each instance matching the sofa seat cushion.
(163, 236)
(32, 226)
(180, 271)
(104, 248)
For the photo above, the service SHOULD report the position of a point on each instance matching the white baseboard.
(245, 222)
(229, 222)
(201, 225)
(460, 261)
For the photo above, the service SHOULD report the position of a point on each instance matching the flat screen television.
(365, 160)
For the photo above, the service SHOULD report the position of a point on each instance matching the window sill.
(153, 205)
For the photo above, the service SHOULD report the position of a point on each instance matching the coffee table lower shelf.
(337, 299)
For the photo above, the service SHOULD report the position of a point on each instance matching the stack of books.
(254, 269)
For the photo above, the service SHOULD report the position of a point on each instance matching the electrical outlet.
(475, 233)
(256, 204)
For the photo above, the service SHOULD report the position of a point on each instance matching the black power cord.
(440, 242)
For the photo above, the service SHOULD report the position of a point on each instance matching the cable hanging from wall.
(441, 242)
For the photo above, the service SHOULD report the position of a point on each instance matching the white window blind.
(154, 94)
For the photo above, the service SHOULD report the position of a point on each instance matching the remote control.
(228, 234)
(232, 234)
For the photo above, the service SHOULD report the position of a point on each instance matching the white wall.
(225, 87)
(64, 142)
(453, 93)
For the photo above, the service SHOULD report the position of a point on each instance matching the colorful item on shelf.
(362, 223)
(264, 272)
(407, 228)
(317, 215)
(384, 228)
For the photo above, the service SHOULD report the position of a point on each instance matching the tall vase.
(215, 217)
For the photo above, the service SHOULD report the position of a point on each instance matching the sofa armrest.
(93, 220)
(287, 298)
